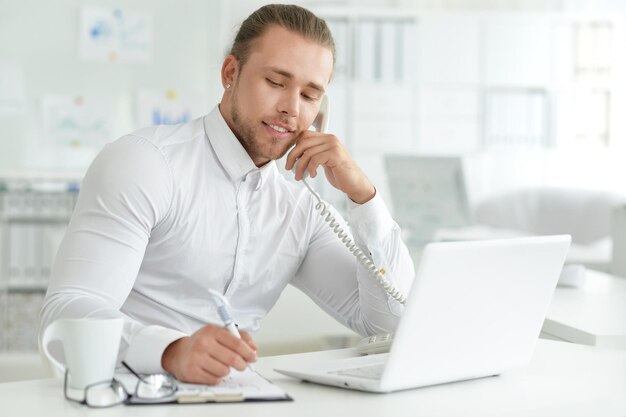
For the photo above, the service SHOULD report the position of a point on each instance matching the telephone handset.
(320, 124)
(321, 120)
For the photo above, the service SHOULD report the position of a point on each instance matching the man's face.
(277, 93)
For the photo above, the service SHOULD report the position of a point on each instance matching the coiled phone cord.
(363, 259)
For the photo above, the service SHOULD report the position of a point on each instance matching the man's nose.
(289, 104)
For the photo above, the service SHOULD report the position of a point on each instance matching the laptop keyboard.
(374, 371)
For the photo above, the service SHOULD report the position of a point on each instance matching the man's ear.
(230, 70)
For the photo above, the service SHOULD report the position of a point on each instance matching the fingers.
(229, 357)
(246, 336)
(237, 352)
(314, 149)
(310, 160)
(306, 141)
(324, 153)
(224, 352)
(187, 359)
(207, 355)
(207, 371)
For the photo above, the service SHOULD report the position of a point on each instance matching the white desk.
(594, 314)
(563, 379)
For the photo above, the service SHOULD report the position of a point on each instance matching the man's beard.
(245, 134)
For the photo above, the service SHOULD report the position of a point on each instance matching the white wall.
(41, 38)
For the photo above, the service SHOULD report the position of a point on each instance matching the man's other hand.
(206, 356)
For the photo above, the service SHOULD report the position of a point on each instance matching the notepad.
(237, 386)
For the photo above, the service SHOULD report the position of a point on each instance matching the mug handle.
(52, 333)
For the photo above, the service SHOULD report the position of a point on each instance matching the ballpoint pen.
(229, 324)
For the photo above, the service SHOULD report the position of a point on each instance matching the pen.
(226, 318)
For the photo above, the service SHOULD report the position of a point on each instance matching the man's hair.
(291, 17)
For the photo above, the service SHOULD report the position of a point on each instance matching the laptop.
(475, 309)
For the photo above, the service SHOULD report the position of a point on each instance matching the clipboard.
(238, 386)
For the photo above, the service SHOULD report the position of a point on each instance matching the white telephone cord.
(363, 259)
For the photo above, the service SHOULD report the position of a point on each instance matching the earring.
(227, 86)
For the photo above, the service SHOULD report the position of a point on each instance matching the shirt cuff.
(145, 352)
(370, 221)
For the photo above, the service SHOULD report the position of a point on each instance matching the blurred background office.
(474, 118)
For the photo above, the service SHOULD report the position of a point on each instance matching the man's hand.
(314, 149)
(206, 356)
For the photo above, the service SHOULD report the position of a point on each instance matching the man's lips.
(278, 131)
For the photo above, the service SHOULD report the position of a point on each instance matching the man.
(168, 213)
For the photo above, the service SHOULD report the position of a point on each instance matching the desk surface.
(562, 379)
(594, 314)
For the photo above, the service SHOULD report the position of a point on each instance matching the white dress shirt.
(169, 212)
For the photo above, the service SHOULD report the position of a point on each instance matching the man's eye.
(272, 83)
(310, 97)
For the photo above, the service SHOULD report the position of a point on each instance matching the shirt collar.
(233, 157)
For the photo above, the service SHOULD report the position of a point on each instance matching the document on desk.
(237, 386)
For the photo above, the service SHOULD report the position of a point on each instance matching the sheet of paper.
(252, 385)
(78, 121)
(170, 107)
(237, 386)
(115, 35)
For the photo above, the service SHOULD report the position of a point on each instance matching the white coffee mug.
(91, 347)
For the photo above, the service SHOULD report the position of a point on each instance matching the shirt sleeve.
(340, 285)
(124, 195)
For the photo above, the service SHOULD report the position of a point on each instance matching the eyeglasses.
(99, 395)
(152, 387)
(149, 388)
